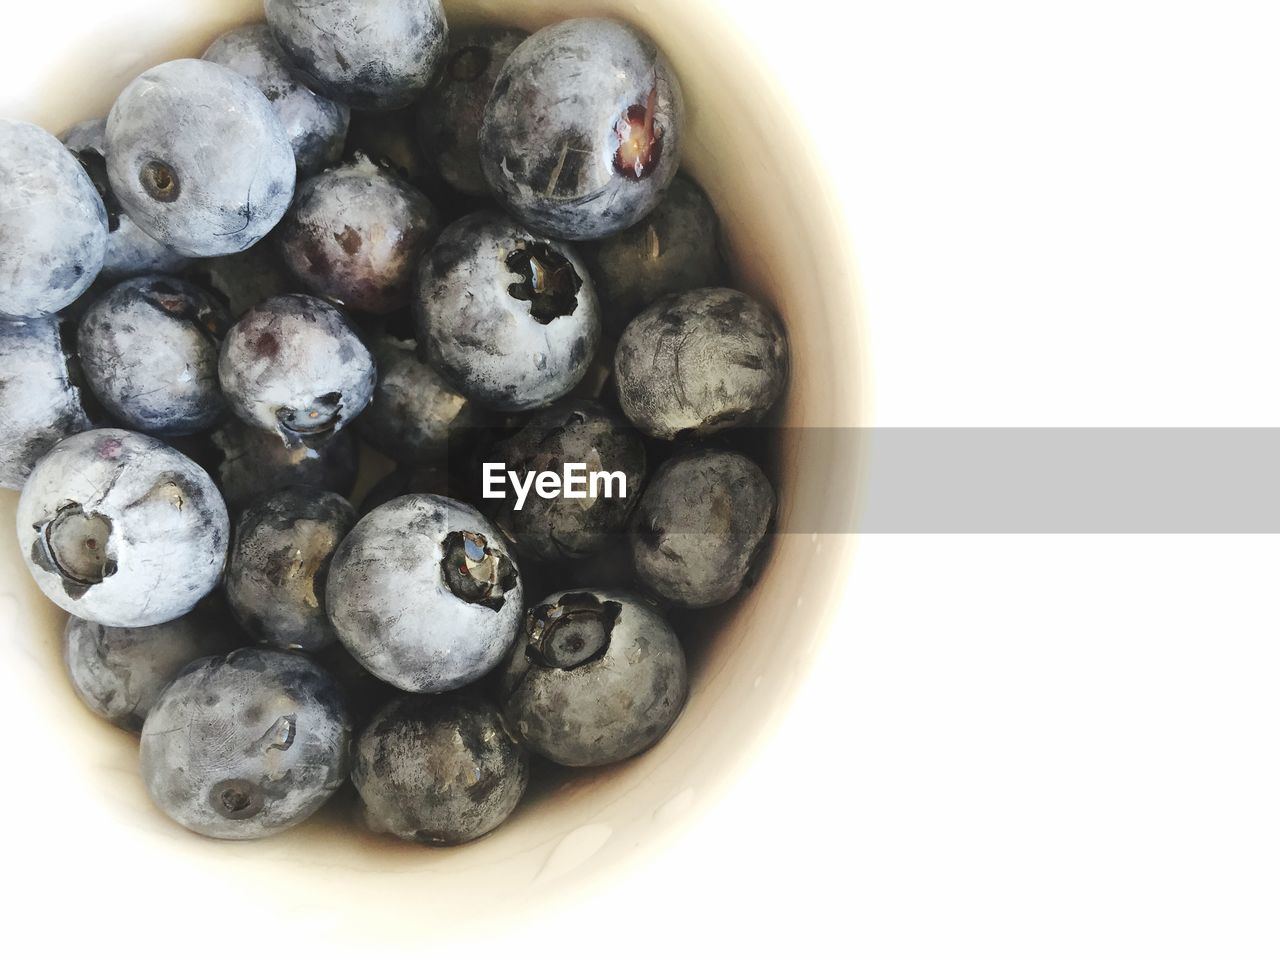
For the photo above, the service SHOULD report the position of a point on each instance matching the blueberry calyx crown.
(571, 632)
(547, 281)
(639, 139)
(314, 424)
(475, 572)
(77, 547)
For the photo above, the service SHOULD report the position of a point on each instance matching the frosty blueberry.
(699, 362)
(438, 770)
(278, 562)
(198, 159)
(52, 220)
(582, 133)
(294, 365)
(511, 319)
(597, 676)
(700, 526)
(424, 593)
(356, 234)
(249, 463)
(246, 745)
(39, 403)
(316, 126)
(120, 529)
(149, 351)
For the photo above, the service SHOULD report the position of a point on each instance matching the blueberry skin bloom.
(582, 133)
(53, 222)
(596, 677)
(510, 319)
(39, 403)
(316, 126)
(438, 770)
(562, 527)
(294, 365)
(149, 351)
(247, 745)
(252, 463)
(424, 594)
(198, 159)
(369, 54)
(672, 250)
(700, 526)
(131, 251)
(699, 362)
(450, 114)
(122, 530)
(414, 412)
(119, 672)
(278, 563)
(356, 233)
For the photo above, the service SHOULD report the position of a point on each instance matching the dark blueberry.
(39, 403)
(278, 563)
(414, 413)
(131, 251)
(120, 529)
(251, 463)
(699, 362)
(149, 351)
(597, 676)
(405, 480)
(294, 365)
(438, 770)
(53, 225)
(243, 280)
(316, 126)
(424, 594)
(119, 672)
(198, 159)
(564, 527)
(246, 745)
(582, 133)
(509, 318)
(700, 526)
(370, 54)
(355, 234)
(672, 250)
(450, 114)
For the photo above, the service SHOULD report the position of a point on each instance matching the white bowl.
(789, 247)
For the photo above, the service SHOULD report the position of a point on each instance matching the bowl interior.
(788, 246)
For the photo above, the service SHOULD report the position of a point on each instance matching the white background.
(1065, 214)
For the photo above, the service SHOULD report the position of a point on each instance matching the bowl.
(788, 245)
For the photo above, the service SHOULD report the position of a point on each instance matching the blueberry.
(39, 402)
(131, 251)
(120, 529)
(414, 413)
(198, 159)
(438, 770)
(294, 365)
(561, 527)
(149, 351)
(252, 463)
(582, 133)
(371, 54)
(243, 280)
(700, 526)
(509, 318)
(672, 250)
(278, 562)
(246, 745)
(449, 115)
(424, 594)
(699, 362)
(355, 234)
(52, 221)
(316, 126)
(119, 672)
(597, 676)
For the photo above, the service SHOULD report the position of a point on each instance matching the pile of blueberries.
(467, 247)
